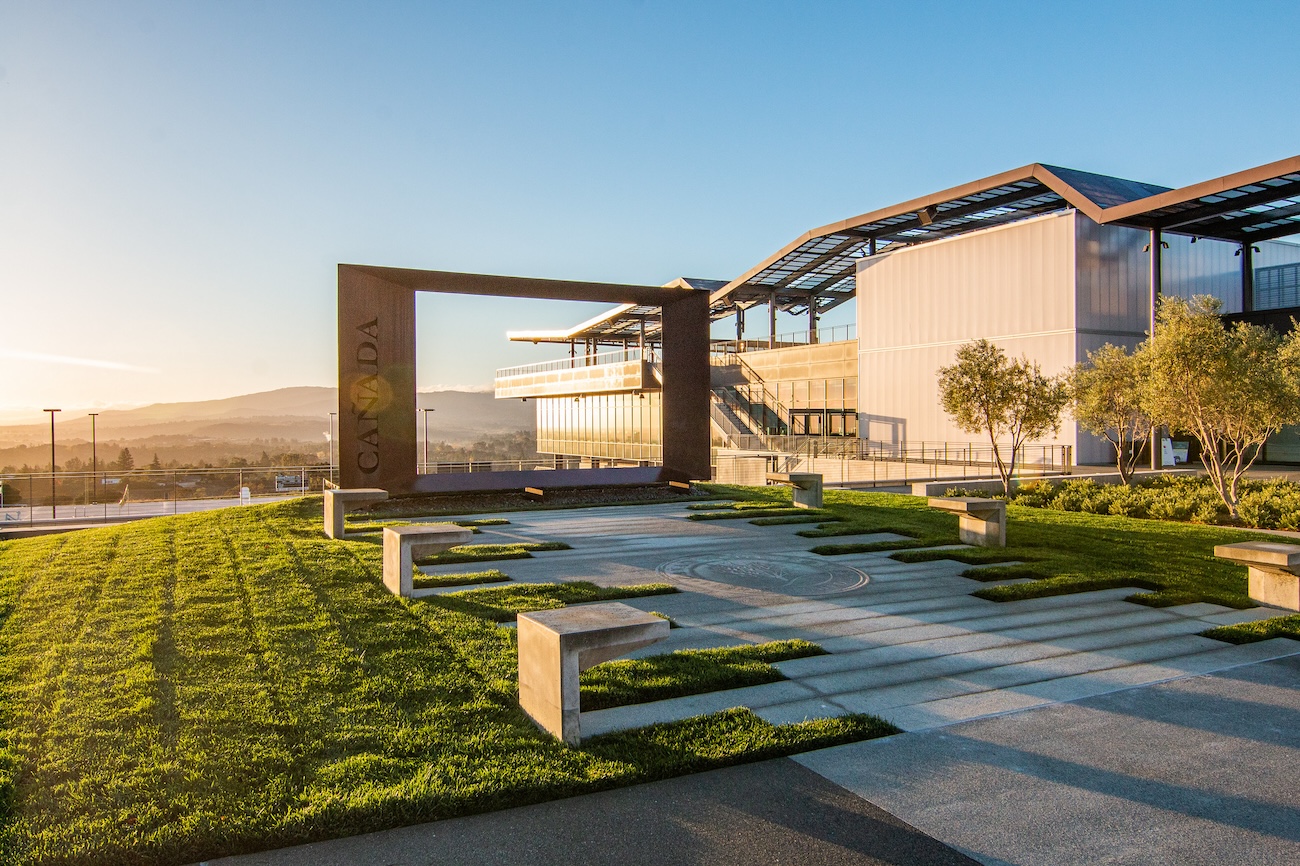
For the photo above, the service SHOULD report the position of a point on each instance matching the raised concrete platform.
(982, 522)
(556, 645)
(339, 502)
(1273, 568)
(404, 544)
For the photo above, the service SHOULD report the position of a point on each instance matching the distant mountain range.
(286, 413)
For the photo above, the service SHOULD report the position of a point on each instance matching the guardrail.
(90, 497)
(1051, 457)
(619, 356)
(834, 334)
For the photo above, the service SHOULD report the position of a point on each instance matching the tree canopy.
(1009, 400)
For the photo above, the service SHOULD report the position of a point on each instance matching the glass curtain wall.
(623, 427)
(806, 407)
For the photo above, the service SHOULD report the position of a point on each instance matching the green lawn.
(490, 552)
(688, 672)
(434, 581)
(186, 687)
(1064, 551)
(1249, 632)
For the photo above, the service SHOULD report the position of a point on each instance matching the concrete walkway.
(906, 641)
(1198, 771)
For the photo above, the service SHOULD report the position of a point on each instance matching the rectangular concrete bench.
(982, 522)
(556, 645)
(1273, 569)
(405, 544)
(807, 486)
(339, 502)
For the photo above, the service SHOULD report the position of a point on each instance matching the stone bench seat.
(981, 522)
(556, 645)
(404, 544)
(1273, 570)
(807, 492)
(338, 502)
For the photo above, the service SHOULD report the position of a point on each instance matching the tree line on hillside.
(518, 445)
(1228, 387)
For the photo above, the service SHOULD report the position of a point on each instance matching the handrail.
(620, 356)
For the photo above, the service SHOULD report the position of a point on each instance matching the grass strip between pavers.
(795, 519)
(503, 604)
(490, 552)
(1260, 629)
(688, 672)
(363, 527)
(437, 581)
(747, 513)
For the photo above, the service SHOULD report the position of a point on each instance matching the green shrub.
(1190, 499)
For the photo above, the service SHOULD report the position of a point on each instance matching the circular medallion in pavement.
(802, 577)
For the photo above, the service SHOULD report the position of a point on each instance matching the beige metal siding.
(1014, 285)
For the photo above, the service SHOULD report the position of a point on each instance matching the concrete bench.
(807, 486)
(556, 645)
(1272, 568)
(982, 522)
(404, 544)
(339, 502)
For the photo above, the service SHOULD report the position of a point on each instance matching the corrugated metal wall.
(1013, 284)
(1052, 288)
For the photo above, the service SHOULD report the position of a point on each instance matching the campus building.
(1047, 262)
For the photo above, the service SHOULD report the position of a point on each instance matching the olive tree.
(1230, 387)
(1106, 393)
(1009, 400)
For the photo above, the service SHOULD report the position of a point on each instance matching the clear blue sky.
(179, 180)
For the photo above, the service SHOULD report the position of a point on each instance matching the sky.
(178, 181)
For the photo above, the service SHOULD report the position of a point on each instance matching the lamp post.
(426, 437)
(332, 414)
(54, 508)
(94, 459)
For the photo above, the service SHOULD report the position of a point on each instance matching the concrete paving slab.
(1252, 614)
(1199, 609)
(1196, 771)
(800, 711)
(640, 715)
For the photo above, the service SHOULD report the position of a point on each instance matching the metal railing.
(618, 356)
(834, 334)
(1051, 457)
(91, 497)
(443, 467)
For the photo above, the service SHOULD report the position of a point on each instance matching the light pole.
(54, 508)
(94, 458)
(332, 414)
(426, 437)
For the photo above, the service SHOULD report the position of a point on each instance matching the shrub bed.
(1264, 504)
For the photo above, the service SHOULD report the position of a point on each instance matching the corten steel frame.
(377, 412)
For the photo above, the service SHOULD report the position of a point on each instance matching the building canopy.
(817, 271)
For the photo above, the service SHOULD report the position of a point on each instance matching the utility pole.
(332, 414)
(94, 459)
(54, 508)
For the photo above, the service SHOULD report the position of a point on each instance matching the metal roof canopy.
(817, 271)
